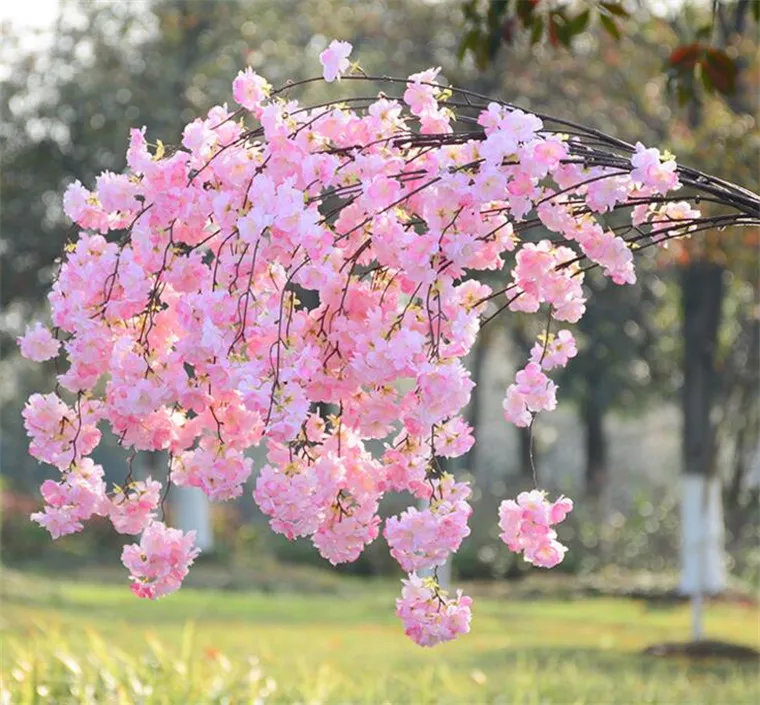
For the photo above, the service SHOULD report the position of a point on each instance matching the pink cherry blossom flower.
(38, 344)
(535, 388)
(515, 407)
(560, 509)
(250, 90)
(334, 60)
(651, 170)
(559, 350)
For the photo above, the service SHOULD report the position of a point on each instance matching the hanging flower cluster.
(421, 540)
(526, 527)
(429, 615)
(306, 277)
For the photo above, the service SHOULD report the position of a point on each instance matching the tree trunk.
(702, 529)
(524, 344)
(526, 469)
(477, 370)
(746, 421)
(596, 445)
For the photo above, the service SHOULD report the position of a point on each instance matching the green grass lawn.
(65, 641)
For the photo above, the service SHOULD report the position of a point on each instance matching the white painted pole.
(703, 565)
(192, 512)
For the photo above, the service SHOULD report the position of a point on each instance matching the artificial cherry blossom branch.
(285, 259)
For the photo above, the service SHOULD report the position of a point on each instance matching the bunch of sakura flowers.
(423, 539)
(160, 562)
(532, 392)
(133, 507)
(68, 503)
(429, 614)
(526, 527)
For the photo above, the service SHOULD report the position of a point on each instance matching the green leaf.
(470, 11)
(494, 43)
(704, 32)
(525, 11)
(481, 54)
(468, 43)
(685, 92)
(561, 28)
(610, 27)
(706, 79)
(578, 24)
(538, 30)
(615, 9)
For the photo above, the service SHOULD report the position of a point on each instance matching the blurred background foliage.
(71, 91)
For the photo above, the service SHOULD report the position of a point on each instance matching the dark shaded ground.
(704, 649)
